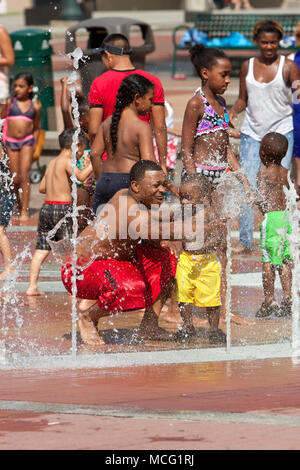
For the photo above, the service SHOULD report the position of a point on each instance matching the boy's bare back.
(271, 182)
(57, 183)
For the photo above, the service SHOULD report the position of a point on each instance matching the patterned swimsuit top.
(211, 121)
(14, 112)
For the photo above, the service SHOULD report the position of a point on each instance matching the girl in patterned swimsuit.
(20, 135)
(205, 132)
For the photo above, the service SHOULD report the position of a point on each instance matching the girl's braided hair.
(131, 86)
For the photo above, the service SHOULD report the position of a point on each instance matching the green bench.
(218, 25)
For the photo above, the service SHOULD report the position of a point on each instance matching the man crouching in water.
(120, 264)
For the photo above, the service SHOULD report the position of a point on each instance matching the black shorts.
(107, 186)
(49, 217)
(7, 202)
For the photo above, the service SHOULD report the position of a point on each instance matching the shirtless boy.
(56, 184)
(275, 227)
(198, 275)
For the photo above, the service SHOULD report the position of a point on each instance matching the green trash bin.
(33, 54)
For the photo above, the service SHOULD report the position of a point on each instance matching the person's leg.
(83, 199)
(285, 273)
(268, 279)
(149, 328)
(14, 158)
(88, 322)
(5, 248)
(250, 162)
(24, 172)
(37, 260)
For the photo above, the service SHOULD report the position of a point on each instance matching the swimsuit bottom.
(198, 279)
(107, 186)
(124, 285)
(51, 213)
(275, 231)
(18, 144)
(211, 172)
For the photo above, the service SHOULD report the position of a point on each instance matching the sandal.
(267, 309)
(185, 333)
(285, 308)
(217, 336)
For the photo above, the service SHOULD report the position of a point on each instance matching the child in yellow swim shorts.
(198, 274)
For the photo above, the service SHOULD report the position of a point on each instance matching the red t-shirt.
(104, 90)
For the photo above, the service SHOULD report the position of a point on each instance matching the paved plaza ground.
(55, 394)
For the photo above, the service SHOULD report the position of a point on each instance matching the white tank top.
(269, 108)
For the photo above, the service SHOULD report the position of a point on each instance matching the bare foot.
(237, 320)
(154, 333)
(85, 304)
(6, 272)
(199, 322)
(34, 291)
(88, 331)
(23, 219)
(241, 250)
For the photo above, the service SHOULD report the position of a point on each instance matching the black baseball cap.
(112, 49)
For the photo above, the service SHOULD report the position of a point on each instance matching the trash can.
(139, 34)
(33, 54)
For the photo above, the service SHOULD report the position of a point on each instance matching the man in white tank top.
(265, 90)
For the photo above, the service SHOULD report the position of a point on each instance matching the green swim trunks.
(274, 242)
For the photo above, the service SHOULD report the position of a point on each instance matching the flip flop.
(285, 308)
(267, 309)
(217, 336)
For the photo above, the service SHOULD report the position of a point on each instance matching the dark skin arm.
(291, 73)
(65, 104)
(160, 133)
(193, 112)
(241, 102)
(95, 119)
(97, 150)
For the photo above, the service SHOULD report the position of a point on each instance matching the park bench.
(217, 25)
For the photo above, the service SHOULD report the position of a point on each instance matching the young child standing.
(7, 200)
(56, 184)
(198, 273)
(275, 227)
(22, 114)
(85, 189)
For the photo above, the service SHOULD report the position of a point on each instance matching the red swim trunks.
(124, 285)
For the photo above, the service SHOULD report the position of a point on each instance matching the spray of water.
(76, 55)
(294, 238)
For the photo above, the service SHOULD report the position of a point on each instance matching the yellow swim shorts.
(198, 279)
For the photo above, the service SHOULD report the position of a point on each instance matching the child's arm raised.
(65, 104)
(193, 112)
(97, 151)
